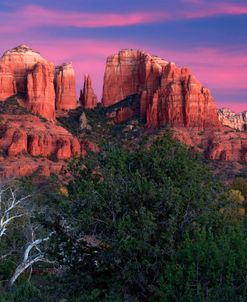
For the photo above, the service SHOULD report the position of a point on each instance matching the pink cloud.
(216, 9)
(32, 16)
(37, 15)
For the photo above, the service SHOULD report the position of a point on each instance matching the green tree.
(127, 216)
(210, 267)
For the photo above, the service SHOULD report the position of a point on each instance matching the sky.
(209, 36)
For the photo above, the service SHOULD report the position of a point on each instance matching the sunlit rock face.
(19, 61)
(7, 83)
(30, 143)
(168, 95)
(88, 99)
(65, 87)
(26, 72)
(40, 90)
(181, 101)
(130, 72)
(233, 120)
(21, 71)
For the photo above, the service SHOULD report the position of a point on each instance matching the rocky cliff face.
(26, 138)
(130, 72)
(7, 83)
(65, 87)
(233, 120)
(40, 90)
(88, 99)
(223, 144)
(169, 95)
(19, 61)
(181, 101)
(21, 72)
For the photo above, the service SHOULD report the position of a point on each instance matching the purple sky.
(209, 36)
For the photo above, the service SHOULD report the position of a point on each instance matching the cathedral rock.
(168, 95)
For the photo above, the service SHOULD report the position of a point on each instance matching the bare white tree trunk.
(9, 208)
(29, 259)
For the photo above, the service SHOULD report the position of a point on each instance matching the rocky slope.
(31, 144)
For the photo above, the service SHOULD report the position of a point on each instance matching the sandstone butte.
(24, 71)
(88, 99)
(65, 87)
(18, 62)
(168, 94)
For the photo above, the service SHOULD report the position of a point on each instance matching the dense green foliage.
(209, 267)
(148, 225)
(137, 216)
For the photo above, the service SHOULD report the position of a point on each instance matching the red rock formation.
(220, 144)
(7, 83)
(65, 87)
(88, 99)
(19, 61)
(18, 144)
(153, 111)
(168, 94)
(26, 133)
(130, 72)
(26, 139)
(181, 101)
(40, 90)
